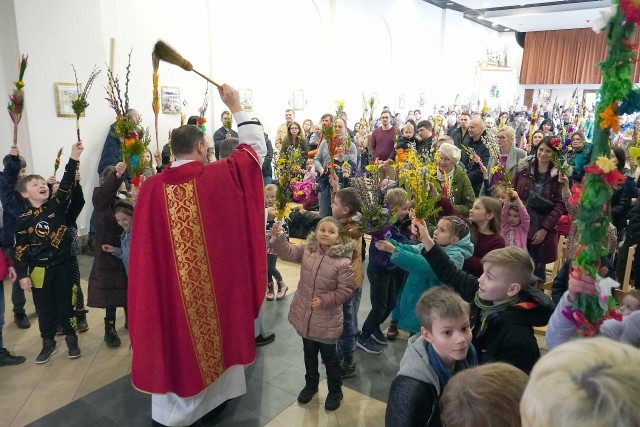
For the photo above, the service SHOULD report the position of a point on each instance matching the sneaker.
(81, 323)
(333, 401)
(379, 337)
(7, 359)
(282, 290)
(72, 345)
(392, 332)
(48, 350)
(270, 295)
(21, 320)
(368, 345)
(264, 339)
(349, 370)
(307, 393)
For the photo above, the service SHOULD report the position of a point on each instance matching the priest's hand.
(230, 97)
(120, 168)
(316, 303)
(76, 150)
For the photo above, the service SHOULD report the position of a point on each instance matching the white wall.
(330, 49)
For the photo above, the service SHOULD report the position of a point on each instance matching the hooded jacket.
(508, 335)
(350, 228)
(421, 276)
(325, 273)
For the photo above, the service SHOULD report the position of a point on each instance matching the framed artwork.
(170, 98)
(246, 99)
(298, 99)
(401, 101)
(422, 100)
(65, 94)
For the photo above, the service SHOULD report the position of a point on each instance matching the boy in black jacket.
(42, 255)
(504, 307)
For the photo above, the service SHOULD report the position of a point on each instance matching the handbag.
(539, 204)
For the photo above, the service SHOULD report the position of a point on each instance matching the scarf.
(487, 308)
(441, 177)
(444, 374)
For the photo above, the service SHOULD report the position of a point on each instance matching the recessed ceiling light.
(495, 24)
(506, 29)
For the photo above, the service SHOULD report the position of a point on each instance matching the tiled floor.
(95, 390)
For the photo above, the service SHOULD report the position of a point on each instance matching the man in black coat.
(475, 142)
(224, 132)
(460, 135)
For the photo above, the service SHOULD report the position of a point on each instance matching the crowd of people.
(464, 285)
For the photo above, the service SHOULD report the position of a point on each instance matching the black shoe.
(21, 320)
(48, 350)
(349, 370)
(110, 335)
(81, 322)
(392, 332)
(72, 345)
(333, 401)
(7, 359)
(264, 339)
(308, 392)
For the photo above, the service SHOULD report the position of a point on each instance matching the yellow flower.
(610, 118)
(605, 164)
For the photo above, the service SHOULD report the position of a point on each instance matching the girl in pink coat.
(515, 221)
(326, 282)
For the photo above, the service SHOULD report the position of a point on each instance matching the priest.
(197, 273)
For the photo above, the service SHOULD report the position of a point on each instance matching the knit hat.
(451, 151)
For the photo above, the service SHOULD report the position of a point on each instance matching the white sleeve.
(560, 329)
(251, 134)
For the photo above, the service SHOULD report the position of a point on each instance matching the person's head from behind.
(346, 203)
(514, 215)
(618, 155)
(449, 230)
(630, 302)
(23, 165)
(124, 214)
(408, 131)
(188, 143)
(328, 231)
(397, 201)
(270, 191)
(500, 193)
(592, 382)
(33, 188)
(227, 146)
(506, 272)
(444, 320)
(444, 139)
(484, 396)
(486, 211)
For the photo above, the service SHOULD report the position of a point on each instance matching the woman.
(546, 127)
(620, 200)
(362, 135)
(535, 139)
(537, 184)
(460, 192)
(510, 156)
(294, 138)
(323, 158)
(502, 120)
(307, 127)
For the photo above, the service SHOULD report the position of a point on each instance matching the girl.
(148, 164)
(485, 232)
(326, 282)
(515, 221)
(272, 258)
(452, 234)
(123, 214)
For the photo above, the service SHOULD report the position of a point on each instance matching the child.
(123, 213)
(515, 221)
(6, 358)
(148, 164)
(272, 258)
(442, 348)
(405, 144)
(346, 204)
(108, 278)
(326, 282)
(314, 140)
(452, 234)
(505, 308)
(385, 278)
(588, 382)
(485, 232)
(500, 193)
(12, 206)
(42, 255)
(484, 396)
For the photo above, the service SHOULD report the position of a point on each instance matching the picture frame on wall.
(65, 94)
(422, 100)
(170, 98)
(298, 99)
(401, 101)
(246, 99)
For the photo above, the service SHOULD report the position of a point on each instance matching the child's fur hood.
(344, 247)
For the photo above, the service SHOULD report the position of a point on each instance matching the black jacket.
(473, 169)
(508, 336)
(219, 136)
(12, 203)
(111, 151)
(267, 169)
(423, 147)
(458, 139)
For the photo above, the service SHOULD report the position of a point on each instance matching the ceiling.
(525, 16)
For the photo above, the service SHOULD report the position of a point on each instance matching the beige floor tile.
(362, 413)
(46, 398)
(311, 414)
(103, 371)
(62, 368)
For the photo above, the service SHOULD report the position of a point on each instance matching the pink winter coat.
(325, 273)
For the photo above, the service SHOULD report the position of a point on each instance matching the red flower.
(576, 193)
(555, 142)
(631, 10)
(613, 178)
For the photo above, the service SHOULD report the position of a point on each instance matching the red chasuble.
(197, 273)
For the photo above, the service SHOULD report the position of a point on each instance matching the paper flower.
(631, 10)
(610, 118)
(601, 22)
(605, 164)
(630, 104)
(576, 194)
(555, 142)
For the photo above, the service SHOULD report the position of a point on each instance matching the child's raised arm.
(64, 190)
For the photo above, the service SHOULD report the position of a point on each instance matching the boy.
(270, 191)
(42, 255)
(505, 308)
(13, 205)
(442, 348)
(346, 204)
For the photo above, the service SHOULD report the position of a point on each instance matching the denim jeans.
(324, 201)
(347, 342)
(384, 285)
(18, 298)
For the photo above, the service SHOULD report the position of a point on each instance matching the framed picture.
(401, 101)
(422, 99)
(246, 99)
(298, 99)
(170, 98)
(65, 94)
